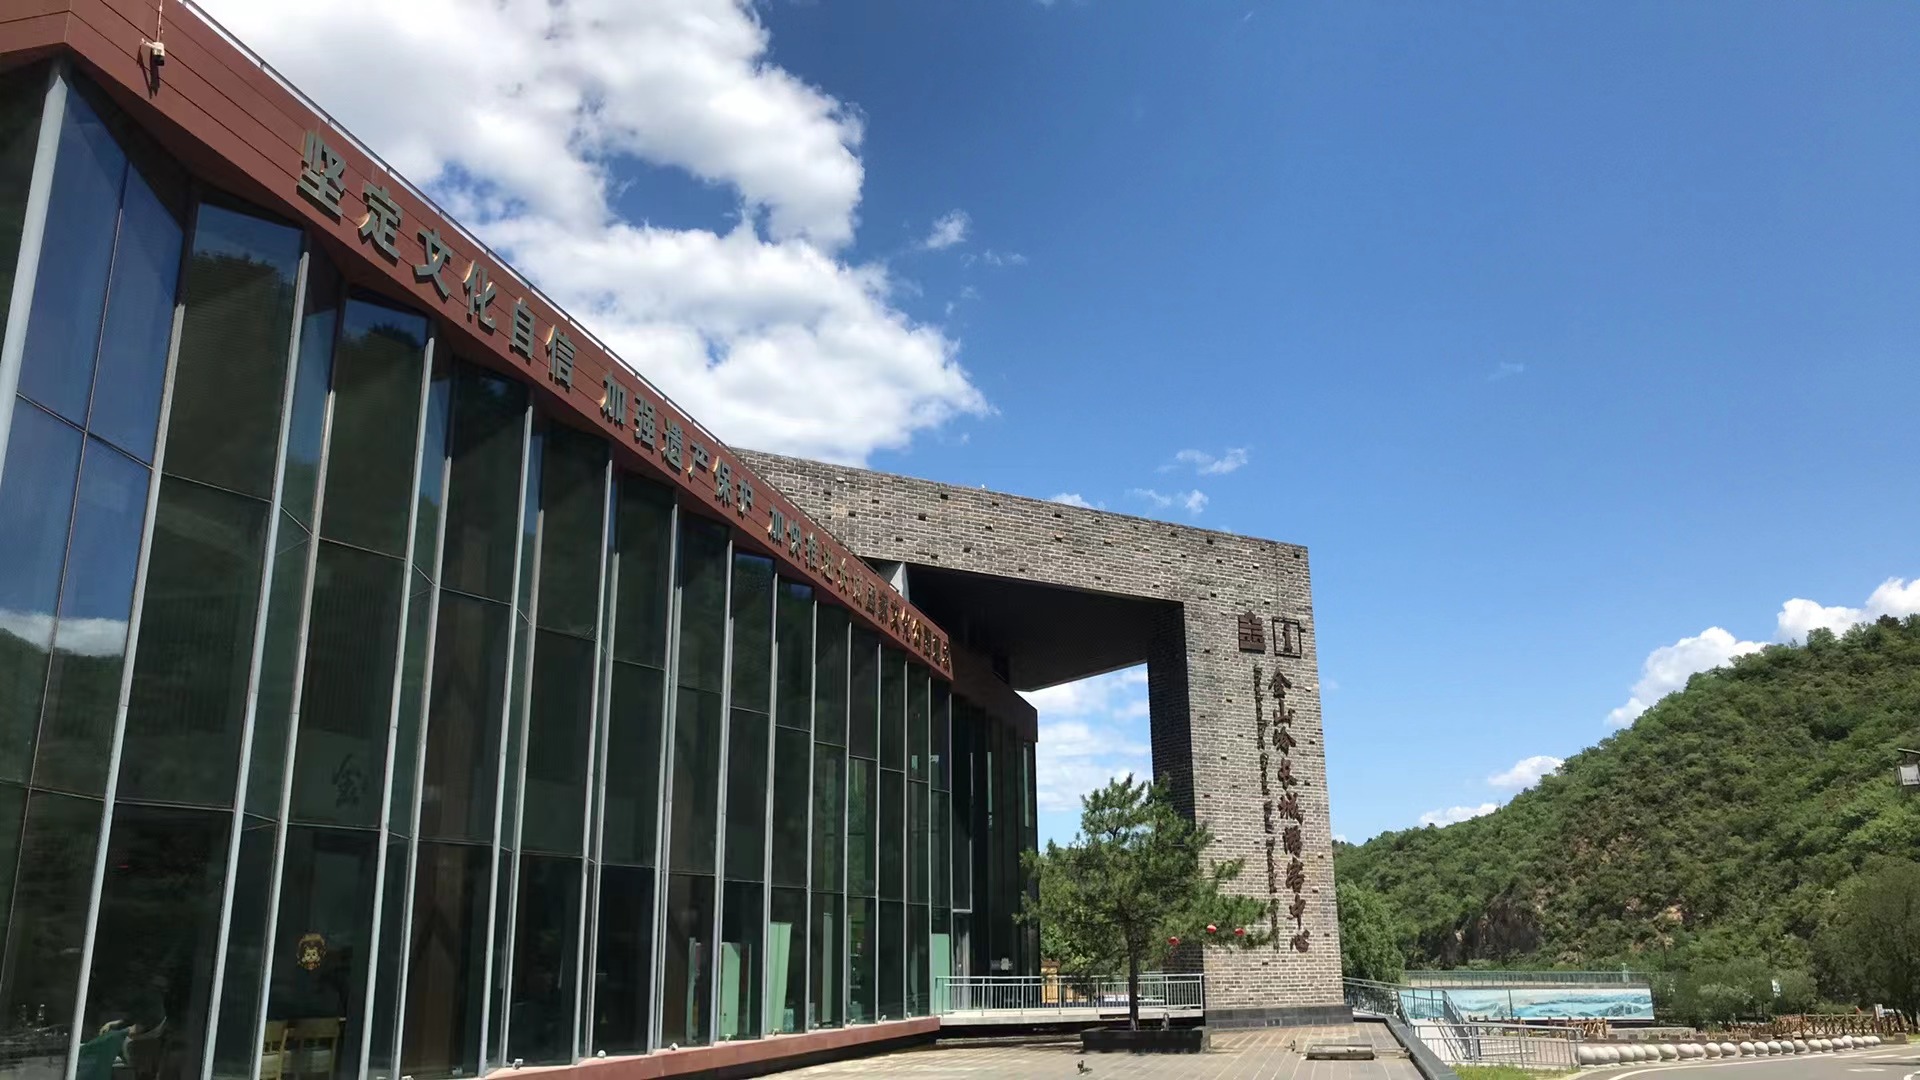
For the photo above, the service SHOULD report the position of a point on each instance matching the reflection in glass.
(154, 947)
(863, 688)
(892, 827)
(740, 930)
(685, 976)
(489, 417)
(447, 971)
(623, 973)
(45, 932)
(893, 709)
(463, 732)
(792, 782)
(540, 1029)
(237, 1047)
(643, 546)
(917, 960)
(572, 498)
(830, 677)
(36, 506)
(22, 96)
(633, 766)
(746, 849)
(139, 322)
(354, 630)
(317, 996)
(279, 656)
(90, 640)
(787, 960)
(829, 956)
(238, 293)
(63, 332)
(917, 868)
(182, 739)
(863, 995)
(862, 804)
(829, 793)
(376, 413)
(312, 376)
(557, 757)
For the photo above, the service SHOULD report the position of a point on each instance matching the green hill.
(1717, 828)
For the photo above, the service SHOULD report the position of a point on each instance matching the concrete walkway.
(1256, 1054)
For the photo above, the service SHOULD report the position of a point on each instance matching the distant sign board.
(1536, 1003)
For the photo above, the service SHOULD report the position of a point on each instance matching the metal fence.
(1160, 992)
(1465, 978)
(1476, 1043)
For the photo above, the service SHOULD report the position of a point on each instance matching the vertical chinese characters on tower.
(1281, 816)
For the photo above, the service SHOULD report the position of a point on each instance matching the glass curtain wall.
(357, 720)
(749, 724)
(639, 589)
(793, 771)
(827, 946)
(940, 852)
(863, 841)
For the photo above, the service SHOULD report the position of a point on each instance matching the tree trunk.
(1133, 989)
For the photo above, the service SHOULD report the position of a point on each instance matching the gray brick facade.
(1206, 731)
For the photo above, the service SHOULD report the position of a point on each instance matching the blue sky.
(1576, 341)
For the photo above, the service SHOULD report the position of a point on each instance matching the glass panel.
(688, 967)
(917, 721)
(376, 414)
(963, 803)
(431, 496)
(484, 489)
(787, 960)
(941, 854)
(828, 956)
(462, 768)
(153, 951)
(573, 495)
(545, 953)
(863, 992)
(233, 350)
(862, 796)
(133, 344)
(863, 689)
(386, 981)
(36, 507)
(63, 333)
(313, 375)
(893, 824)
(829, 776)
(703, 600)
(746, 850)
(830, 677)
(623, 975)
(22, 96)
(792, 779)
(632, 810)
(741, 922)
(941, 752)
(89, 644)
(893, 709)
(13, 815)
(563, 669)
(644, 546)
(752, 605)
(44, 936)
(317, 997)
(446, 974)
(340, 765)
(892, 951)
(237, 1048)
(918, 961)
(286, 606)
(795, 692)
(182, 741)
(917, 844)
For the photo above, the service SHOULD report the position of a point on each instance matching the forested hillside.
(1717, 828)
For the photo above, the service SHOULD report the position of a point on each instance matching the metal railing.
(1466, 978)
(1475, 1042)
(1160, 993)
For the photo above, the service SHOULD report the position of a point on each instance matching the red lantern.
(1173, 941)
(1212, 929)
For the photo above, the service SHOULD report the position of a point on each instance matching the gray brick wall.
(1200, 685)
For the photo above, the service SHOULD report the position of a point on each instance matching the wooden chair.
(273, 1051)
(312, 1045)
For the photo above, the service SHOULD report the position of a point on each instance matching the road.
(1888, 1062)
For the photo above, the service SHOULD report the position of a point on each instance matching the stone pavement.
(1253, 1054)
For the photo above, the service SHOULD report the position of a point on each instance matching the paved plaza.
(1254, 1054)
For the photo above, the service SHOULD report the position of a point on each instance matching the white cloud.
(79, 637)
(1071, 498)
(1207, 464)
(1505, 369)
(1340, 837)
(1192, 501)
(1455, 814)
(515, 114)
(1091, 731)
(1895, 596)
(948, 229)
(1525, 773)
(999, 258)
(1668, 667)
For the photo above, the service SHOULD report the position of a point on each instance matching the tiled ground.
(1259, 1054)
